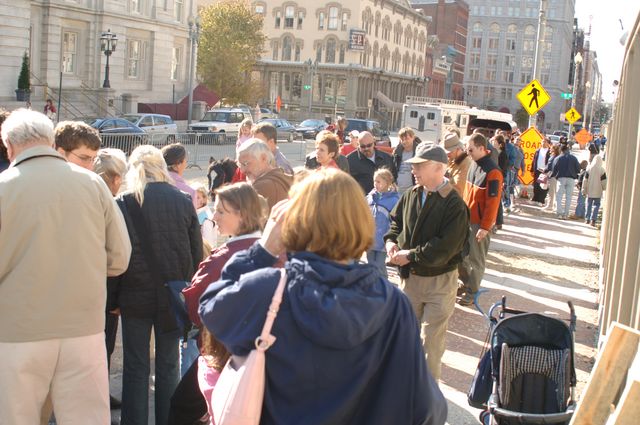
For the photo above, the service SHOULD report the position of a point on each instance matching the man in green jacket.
(429, 230)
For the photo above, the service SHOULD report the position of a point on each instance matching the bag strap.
(265, 340)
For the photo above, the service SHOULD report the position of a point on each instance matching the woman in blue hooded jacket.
(347, 347)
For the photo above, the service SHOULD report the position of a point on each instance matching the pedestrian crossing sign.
(533, 97)
(572, 115)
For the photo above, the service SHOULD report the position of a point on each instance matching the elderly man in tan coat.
(459, 162)
(61, 235)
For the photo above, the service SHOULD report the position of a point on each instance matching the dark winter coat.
(362, 168)
(176, 241)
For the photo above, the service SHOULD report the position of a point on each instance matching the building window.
(69, 52)
(506, 93)
(474, 74)
(489, 92)
(274, 53)
(529, 30)
(475, 59)
(178, 9)
(278, 18)
(476, 42)
(289, 15)
(300, 19)
(492, 60)
(298, 49)
(330, 55)
(493, 43)
(511, 44)
(135, 58)
(509, 61)
(490, 75)
(333, 18)
(321, 21)
(260, 9)
(176, 56)
(345, 21)
(319, 54)
(508, 76)
(342, 53)
(527, 62)
(136, 6)
(286, 48)
(525, 78)
(528, 45)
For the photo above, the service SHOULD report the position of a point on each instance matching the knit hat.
(452, 142)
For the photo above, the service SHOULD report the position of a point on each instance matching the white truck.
(432, 118)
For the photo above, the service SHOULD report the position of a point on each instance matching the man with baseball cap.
(459, 162)
(429, 227)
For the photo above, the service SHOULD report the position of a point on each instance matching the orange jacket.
(483, 192)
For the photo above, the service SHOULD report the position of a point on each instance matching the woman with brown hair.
(348, 347)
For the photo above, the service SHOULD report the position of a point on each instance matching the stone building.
(354, 58)
(445, 59)
(62, 38)
(501, 47)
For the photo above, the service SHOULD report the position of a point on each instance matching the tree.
(24, 81)
(231, 42)
(522, 118)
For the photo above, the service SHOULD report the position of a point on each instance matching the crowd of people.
(103, 239)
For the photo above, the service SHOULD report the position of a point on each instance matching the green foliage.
(231, 41)
(522, 119)
(24, 81)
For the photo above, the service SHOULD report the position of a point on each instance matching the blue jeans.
(509, 183)
(188, 354)
(580, 205)
(378, 259)
(565, 190)
(592, 214)
(136, 335)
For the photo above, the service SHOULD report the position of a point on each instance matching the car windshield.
(356, 125)
(93, 122)
(131, 118)
(311, 123)
(216, 116)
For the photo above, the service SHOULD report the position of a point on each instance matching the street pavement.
(538, 262)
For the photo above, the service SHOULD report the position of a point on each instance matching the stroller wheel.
(485, 417)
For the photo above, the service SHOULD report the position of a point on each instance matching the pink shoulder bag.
(238, 395)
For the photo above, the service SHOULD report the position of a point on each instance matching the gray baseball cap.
(429, 151)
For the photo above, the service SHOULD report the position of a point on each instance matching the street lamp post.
(312, 66)
(194, 36)
(108, 42)
(577, 60)
(587, 94)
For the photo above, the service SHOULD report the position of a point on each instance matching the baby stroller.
(529, 367)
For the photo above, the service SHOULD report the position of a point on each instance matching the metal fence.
(200, 146)
(620, 296)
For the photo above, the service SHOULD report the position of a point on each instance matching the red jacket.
(209, 271)
(483, 192)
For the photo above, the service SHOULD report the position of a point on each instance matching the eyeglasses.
(244, 163)
(84, 158)
(369, 146)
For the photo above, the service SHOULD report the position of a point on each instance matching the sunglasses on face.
(369, 146)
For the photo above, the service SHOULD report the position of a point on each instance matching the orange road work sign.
(583, 137)
(531, 141)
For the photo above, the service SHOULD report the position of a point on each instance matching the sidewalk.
(539, 263)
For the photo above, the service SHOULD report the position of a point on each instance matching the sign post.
(531, 140)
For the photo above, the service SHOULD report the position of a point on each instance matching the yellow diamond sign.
(531, 139)
(572, 115)
(533, 97)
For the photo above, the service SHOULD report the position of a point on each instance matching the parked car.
(285, 130)
(267, 113)
(162, 127)
(381, 136)
(561, 133)
(220, 120)
(117, 133)
(309, 129)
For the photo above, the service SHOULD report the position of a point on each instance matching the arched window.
(287, 45)
(494, 27)
(289, 15)
(529, 30)
(477, 27)
(512, 28)
(330, 55)
(548, 33)
(333, 18)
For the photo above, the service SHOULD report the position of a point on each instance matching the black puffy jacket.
(174, 234)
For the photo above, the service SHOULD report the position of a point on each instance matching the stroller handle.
(549, 418)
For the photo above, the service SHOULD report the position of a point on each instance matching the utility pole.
(533, 119)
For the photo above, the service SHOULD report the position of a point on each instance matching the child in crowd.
(205, 217)
(381, 200)
(210, 364)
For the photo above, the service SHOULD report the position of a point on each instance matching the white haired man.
(257, 163)
(429, 228)
(61, 235)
